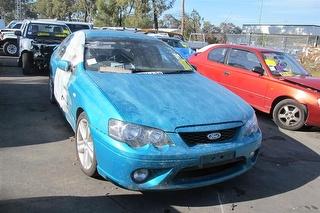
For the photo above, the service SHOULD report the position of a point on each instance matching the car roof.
(77, 22)
(168, 38)
(46, 22)
(236, 46)
(95, 34)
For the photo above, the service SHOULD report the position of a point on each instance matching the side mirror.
(258, 70)
(64, 65)
(17, 33)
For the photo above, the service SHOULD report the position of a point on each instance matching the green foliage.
(169, 21)
(193, 23)
(7, 10)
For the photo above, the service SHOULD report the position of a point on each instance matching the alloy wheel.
(85, 144)
(12, 49)
(289, 115)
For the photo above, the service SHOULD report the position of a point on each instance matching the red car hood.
(311, 82)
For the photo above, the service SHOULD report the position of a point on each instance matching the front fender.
(85, 95)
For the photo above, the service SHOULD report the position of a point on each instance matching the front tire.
(289, 114)
(10, 48)
(85, 147)
(52, 99)
(27, 63)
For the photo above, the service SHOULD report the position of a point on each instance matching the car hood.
(306, 81)
(169, 101)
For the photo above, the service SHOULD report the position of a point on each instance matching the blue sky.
(248, 11)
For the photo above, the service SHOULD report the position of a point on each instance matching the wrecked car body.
(144, 119)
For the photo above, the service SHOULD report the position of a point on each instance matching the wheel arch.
(10, 40)
(78, 112)
(281, 98)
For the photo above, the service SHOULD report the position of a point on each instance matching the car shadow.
(284, 164)
(28, 116)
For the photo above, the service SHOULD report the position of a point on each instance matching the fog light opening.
(254, 155)
(140, 175)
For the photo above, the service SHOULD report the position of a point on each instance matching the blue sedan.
(180, 46)
(144, 119)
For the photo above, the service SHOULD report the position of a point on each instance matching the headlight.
(136, 135)
(251, 126)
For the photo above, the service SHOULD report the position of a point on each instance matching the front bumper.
(172, 169)
(313, 118)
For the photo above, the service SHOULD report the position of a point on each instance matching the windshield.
(282, 64)
(48, 30)
(134, 55)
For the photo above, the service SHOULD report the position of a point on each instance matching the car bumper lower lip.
(173, 174)
(313, 118)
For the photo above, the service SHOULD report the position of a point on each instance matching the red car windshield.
(282, 64)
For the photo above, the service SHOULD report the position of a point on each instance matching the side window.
(63, 46)
(243, 59)
(217, 55)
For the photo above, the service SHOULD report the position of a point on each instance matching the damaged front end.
(42, 50)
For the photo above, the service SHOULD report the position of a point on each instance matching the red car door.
(213, 65)
(239, 77)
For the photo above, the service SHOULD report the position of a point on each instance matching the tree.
(209, 28)
(86, 9)
(113, 12)
(169, 21)
(158, 7)
(43, 8)
(7, 9)
(229, 28)
(193, 23)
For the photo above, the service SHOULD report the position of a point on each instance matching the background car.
(75, 26)
(130, 99)
(180, 46)
(270, 81)
(37, 39)
(8, 40)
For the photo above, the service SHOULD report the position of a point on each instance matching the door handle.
(226, 73)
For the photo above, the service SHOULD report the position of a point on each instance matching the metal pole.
(182, 16)
(18, 10)
(261, 8)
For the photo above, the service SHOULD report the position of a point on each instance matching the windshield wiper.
(178, 71)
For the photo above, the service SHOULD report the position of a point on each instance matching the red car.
(271, 81)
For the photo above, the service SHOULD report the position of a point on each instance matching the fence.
(293, 44)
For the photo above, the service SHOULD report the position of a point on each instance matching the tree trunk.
(85, 16)
(155, 16)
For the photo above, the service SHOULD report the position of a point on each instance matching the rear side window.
(243, 59)
(217, 55)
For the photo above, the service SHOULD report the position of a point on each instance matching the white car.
(37, 40)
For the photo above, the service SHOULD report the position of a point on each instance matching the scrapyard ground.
(39, 171)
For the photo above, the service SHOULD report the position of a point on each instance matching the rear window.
(76, 27)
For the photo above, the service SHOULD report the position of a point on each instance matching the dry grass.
(310, 59)
(315, 73)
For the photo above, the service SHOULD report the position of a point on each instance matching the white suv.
(37, 39)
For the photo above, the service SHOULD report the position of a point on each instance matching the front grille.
(193, 138)
(209, 170)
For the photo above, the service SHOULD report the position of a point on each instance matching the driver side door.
(239, 77)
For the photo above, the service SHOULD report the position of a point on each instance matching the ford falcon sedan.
(144, 119)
